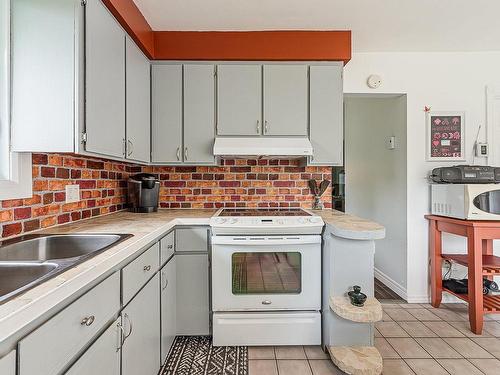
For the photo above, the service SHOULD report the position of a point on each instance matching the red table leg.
(435, 249)
(475, 276)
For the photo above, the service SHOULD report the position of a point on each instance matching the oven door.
(260, 273)
(483, 202)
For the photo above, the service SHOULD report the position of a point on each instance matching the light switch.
(72, 193)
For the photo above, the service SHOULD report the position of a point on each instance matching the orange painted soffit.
(132, 20)
(253, 45)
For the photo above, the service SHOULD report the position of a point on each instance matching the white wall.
(376, 176)
(443, 81)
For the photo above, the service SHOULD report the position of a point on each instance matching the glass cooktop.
(264, 212)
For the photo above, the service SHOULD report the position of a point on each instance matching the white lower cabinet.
(103, 357)
(8, 364)
(52, 346)
(192, 301)
(141, 324)
(168, 309)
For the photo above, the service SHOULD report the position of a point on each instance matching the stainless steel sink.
(42, 248)
(17, 277)
(29, 260)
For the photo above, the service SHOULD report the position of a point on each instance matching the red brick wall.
(237, 183)
(102, 190)
(240, 183)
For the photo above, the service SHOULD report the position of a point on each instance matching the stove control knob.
(314, 219)
(232, 221)
(221, 220)
(302, 220)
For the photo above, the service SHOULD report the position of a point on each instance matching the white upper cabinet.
(138, 103)
(239, 99)
(44, 74)
(326, 114)
(285, 100)
(199, 114)
(104, 81)
(166, 112)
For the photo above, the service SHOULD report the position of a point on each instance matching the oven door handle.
(265, 241)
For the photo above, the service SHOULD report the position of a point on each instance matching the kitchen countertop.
(22, 314)
(350, 226)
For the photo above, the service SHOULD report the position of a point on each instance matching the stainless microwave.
(466, 201)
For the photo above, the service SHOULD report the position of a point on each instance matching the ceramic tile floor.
(412, 339)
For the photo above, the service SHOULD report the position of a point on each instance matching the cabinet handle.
(122, 338)
(186, 153)
(87, 321)
(266, 127)
(130, 147)
(130, 324)
(178, 153)
(124, 147)
(163, 287)
(266, 302)
(258, 127)
(147, 268)
(170, 246)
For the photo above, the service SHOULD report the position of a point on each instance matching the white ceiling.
(377, 25)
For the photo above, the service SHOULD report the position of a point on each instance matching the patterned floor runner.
(195, 355)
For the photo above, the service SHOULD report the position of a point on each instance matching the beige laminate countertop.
(23, 313)
(350, 226)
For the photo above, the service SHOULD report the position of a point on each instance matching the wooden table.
(479, 260)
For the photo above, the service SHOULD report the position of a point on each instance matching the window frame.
(19, 181)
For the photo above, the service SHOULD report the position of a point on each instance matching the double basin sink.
(30, 260)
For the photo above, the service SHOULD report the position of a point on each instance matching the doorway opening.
(373, 181)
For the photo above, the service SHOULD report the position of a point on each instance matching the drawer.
(191, 239)
(167, 247)
(49, 348)
(139, 271)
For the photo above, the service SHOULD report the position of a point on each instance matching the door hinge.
(83, 2)
(84, 137)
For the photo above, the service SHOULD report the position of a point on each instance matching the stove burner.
(264, 212)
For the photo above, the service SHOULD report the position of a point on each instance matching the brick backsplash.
(236, 183)
(240, 183)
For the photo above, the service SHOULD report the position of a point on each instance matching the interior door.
(239, 99)
(104, 81)
(141, 323)
(166, 140)
(199, 114)
(285, 100)
(168, 306)
(138, 103)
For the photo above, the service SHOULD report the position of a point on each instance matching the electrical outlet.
(72, 193)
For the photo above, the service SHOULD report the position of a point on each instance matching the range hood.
(290, 147)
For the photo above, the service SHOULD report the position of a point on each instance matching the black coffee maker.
(143, 192)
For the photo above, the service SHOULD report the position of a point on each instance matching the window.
(15, 168)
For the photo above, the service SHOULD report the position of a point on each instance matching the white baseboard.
(391, 284)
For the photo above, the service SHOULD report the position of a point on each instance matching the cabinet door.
(103, 357)
(326, 114)
(192, 294)
(8, 364)
(199, 114)
(166, 140)
(104, 81)
(285, 100)
(239, 99)
(141, 323)
(168, 306)
(138, 104)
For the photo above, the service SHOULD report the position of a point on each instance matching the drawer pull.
(170, 246)
(147, 268)
(87, 321)
(266, 302)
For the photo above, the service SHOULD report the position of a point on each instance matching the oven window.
(488, 202)
(266, 273)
